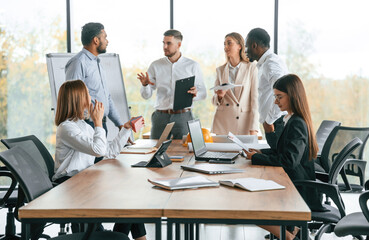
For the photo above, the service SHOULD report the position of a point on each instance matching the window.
(135, 31)
(27, 33)
(324, 42)
(204, 25)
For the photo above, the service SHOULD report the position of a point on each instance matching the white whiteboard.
(111, 64)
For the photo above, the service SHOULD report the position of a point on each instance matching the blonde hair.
(72, 101)
(240, 41)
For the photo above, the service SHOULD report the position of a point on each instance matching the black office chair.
(325, 221)
(33, 146)
(8, 199)
(34, 182)
(339, 136)
(322, 134)
(355, 224)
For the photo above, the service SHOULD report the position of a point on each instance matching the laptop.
(199, 147)
(159, 159)
(211, 168)
(149, 148)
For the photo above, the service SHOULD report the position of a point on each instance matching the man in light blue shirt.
(86, 67)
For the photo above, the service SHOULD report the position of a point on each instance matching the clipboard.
(182, 99)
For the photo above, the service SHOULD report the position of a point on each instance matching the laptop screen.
(197, 138)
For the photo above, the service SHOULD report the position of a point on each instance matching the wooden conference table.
(113, 191)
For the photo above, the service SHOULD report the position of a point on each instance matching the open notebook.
(252, 184)
(183, 183)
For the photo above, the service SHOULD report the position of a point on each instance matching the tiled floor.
(214, 232)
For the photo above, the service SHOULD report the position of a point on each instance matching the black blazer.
(292, 153)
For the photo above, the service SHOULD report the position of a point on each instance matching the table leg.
(169, 230)
(197, 231)
(178, 231)
(191, 231)
(25, 231)
(305, 233)
(186, 231)
(158, 230)
(283, 232)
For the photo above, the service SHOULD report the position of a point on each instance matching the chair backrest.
(34, 147)
(26, 170)
(323, 132)
(342, 156)
(337, 139)
(363, 200)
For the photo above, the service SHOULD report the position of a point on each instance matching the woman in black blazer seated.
(296, 147)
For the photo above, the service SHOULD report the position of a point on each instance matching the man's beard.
(100, 49)
(169, 55)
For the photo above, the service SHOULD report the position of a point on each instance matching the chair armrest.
(324, 177)
(359, 162)
(11, 188)
(331, 190)
(363, 199)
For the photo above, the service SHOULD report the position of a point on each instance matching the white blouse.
(77, 145)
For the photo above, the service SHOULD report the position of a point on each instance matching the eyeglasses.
(278, 97)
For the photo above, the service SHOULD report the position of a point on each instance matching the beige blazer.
(237, 112)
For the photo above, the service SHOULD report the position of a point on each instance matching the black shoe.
(268, 237)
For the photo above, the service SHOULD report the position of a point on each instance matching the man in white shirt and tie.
(271, 68)
(161, 76)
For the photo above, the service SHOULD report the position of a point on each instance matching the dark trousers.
(91, 123)
(137, 229)
(160, 120)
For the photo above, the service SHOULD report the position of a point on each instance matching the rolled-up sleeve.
(199, 83)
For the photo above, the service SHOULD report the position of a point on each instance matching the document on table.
(252, 184)
(183, 183)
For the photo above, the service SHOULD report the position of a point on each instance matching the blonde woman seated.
(237, 108)
(77, 143)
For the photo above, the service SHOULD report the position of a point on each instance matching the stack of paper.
(183, 183)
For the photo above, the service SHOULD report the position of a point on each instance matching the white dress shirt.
(271, 67)
(233, 72)
(163, 73)
(77, 145)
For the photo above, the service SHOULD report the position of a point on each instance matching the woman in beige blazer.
(237, 108)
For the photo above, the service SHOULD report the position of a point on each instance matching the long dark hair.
(292, 85)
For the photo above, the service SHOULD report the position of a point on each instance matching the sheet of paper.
(225, 86)
(237, 141)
